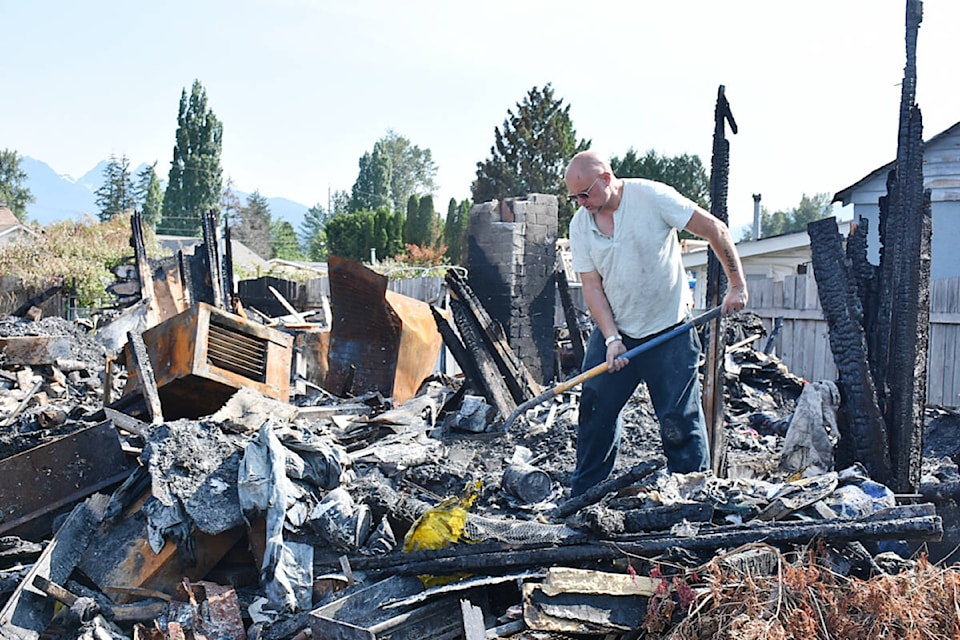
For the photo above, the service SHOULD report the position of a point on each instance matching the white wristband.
(612, 338)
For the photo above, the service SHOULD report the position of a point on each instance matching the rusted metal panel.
(202, 356)
(47, 478)
(379, 340)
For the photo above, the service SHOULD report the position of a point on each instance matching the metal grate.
(239, 353)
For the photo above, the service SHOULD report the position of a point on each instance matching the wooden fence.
(803, 342)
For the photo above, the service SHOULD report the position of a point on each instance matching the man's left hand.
(736, 299)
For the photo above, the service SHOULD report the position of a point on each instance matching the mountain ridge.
(59, 196)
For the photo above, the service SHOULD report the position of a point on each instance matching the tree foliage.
(420, 221)
(82, 252)
(685, 173)
(313, 236)
(284, 241)
(531, 152)
(117, 194)
(353, 235)
(455, 230)
(792, 220)
(195, 179)
(254, 227)
(372, 187)
(149, 195)
(412, 168)
(13, 193)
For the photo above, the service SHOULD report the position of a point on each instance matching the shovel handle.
(593, 372)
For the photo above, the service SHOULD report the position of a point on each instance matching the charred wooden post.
(478, 371)
(901, 335)
(717, 286)
(570, 315)
(864, 277)
(474, 319)
(212, 252)
(865, 439)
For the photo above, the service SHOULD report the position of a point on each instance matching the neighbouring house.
(771, 258)
(941, 175)
(12, 231)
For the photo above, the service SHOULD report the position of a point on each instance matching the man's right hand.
(614, 350)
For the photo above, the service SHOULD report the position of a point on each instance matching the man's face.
(588, 198)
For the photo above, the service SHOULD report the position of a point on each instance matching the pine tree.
(195, 179)
(410, 221)
(531, 152)
(254, 227)
(117, 194)
(149, 195)
(13, 194)
(423, 229)
(455, 230)
(372, 187)
(284, 241)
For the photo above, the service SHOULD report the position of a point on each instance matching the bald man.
(626, 249)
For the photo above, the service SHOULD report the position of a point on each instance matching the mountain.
(62, 197)
(57, 196)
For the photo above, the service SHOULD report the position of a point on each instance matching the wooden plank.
(28, 611)
(778, 295)
(937, 370)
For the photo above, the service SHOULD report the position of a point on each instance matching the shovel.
(695, 321)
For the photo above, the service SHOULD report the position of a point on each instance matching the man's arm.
(713, 230)
(602, 314)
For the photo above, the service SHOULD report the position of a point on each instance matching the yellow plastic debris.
(439, 527)
(442, 525)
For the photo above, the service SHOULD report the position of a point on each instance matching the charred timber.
(570, 315)
(470, 558)
(716, 286)
(905, 272)
(866, 434)
(596, 493)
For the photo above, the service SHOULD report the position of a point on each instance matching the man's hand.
(614, 350)
(735, 300)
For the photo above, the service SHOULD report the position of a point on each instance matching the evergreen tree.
(531, 152)
(395, 244)
(117, 194)
(685, 173)
(422, 231)
(253, 229)
(372, 187)
(314, 221)
(410, 221)
(13, 194)
(455, 230)
(149, 195)
(195, 179)
(284, 241)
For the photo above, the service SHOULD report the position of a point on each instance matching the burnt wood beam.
(864, 432)
(713, 371)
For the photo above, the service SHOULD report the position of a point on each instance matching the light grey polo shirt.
(641, 268)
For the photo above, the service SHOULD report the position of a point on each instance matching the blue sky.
(305, 87)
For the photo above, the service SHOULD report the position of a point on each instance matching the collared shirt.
(641, 267)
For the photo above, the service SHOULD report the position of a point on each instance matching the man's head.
(590, 181)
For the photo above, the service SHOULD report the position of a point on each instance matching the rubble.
(279, 519)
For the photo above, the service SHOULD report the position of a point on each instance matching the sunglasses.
(583, 195)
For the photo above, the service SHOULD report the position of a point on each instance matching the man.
(626, 249)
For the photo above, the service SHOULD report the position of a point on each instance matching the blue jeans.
(670, 371)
